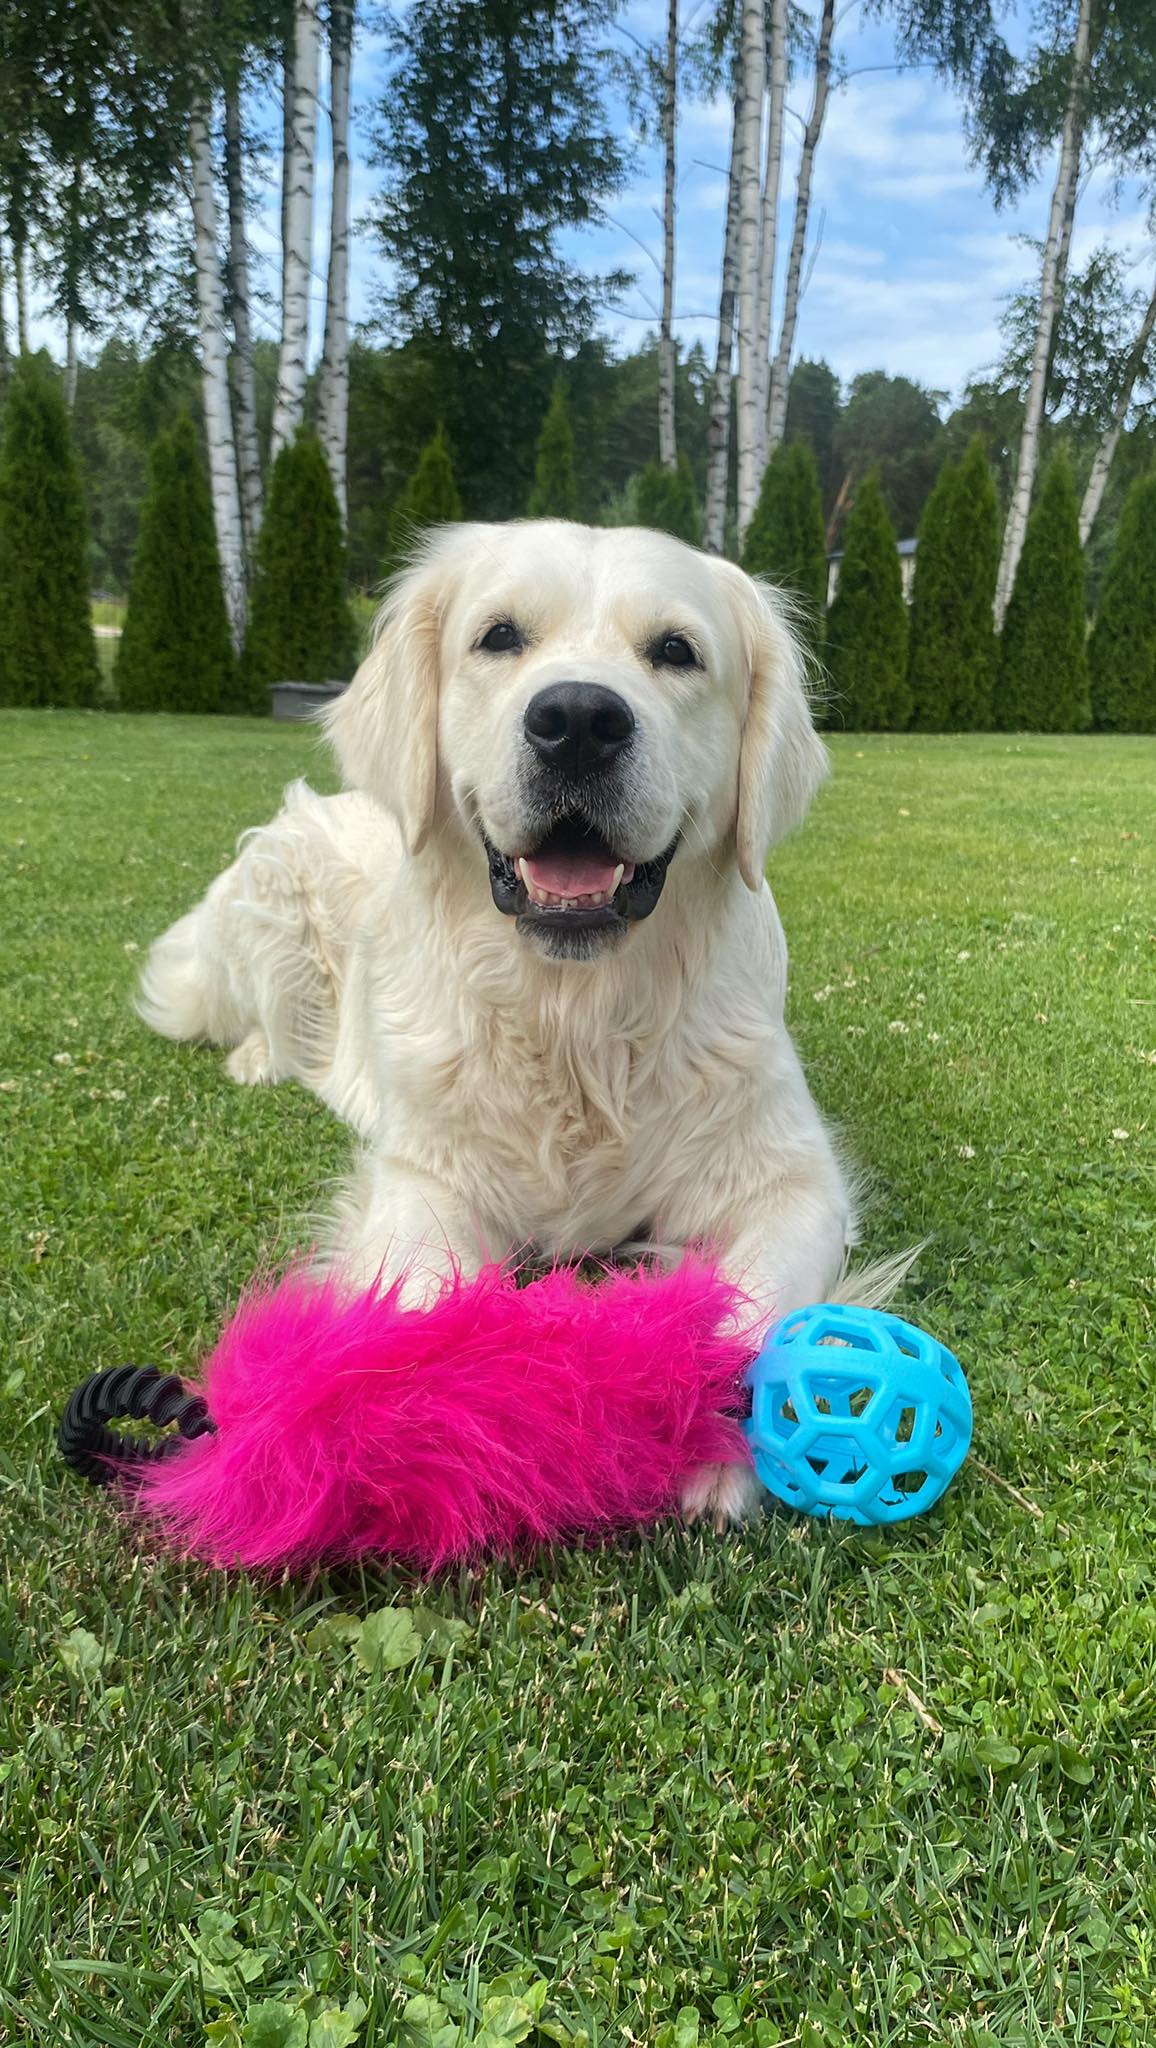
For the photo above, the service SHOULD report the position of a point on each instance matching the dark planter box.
(303, 700)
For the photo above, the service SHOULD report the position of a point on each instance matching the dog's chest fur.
(569, 1108)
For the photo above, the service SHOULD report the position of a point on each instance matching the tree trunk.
(752, 73)
(667, 447)
(71, 366)
(3, 317)
(244, 381)
(20, 278)
(292, 366)
(1106, 452)
(1051, 298)
(718, 426)
(72, 304)
(781, 371)
(215, 377)
(333, 393)
(772, 182)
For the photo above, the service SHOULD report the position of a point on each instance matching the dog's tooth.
(619, 871)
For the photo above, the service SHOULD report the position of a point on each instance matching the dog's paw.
(251, 1063)
(721, 1494)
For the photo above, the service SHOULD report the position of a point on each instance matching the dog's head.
(579, 707)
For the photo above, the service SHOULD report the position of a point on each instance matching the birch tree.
(289, 405)
(718, 426)
(1051, 294)
(772, 181)
(215, 374)
(667, 446)
(333, 392)
(752, 75)
(781, 368)
(1106, 452)
(244, 382)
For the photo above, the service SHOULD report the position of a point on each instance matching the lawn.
(794, 1785)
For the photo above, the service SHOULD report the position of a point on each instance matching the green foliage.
(952, 644)
(1042, 685)
(495, 140)
(430, 498)
(175, 650)
(1122, 651)
(300, 628)
(891, 425)
(866, 650)
(47, 655)
(814, 401)
(298, 1791)
(555, 492)
(665, 498)
(786, 538)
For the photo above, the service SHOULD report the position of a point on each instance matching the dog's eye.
(673, 651)
(502, 638)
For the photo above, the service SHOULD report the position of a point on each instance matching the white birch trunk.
(20, 276)
(244, 381)
(772, 182)
(781, 368)
(718, 426)
(667, 446)
(333, 393)
(1051, 297)
(215, 377)
(752, 73)
(1106, 452)
(3, 316)
(71, 366)
(289, 407)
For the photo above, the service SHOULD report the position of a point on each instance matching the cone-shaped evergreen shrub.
(430, 498)
(786, 538)
(1042, 685)
(952, 654)
(1122, 652)
(866, 648)
(47, 652)
(175, 651)
(555, 492)
(665, 498)
(301, 629)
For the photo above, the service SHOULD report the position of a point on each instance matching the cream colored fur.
(651, 1096)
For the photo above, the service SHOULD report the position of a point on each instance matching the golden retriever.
(531, 955)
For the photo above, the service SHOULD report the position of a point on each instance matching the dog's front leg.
(395, 1222)
(790, 1251)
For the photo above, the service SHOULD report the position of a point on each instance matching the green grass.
(792, 1785)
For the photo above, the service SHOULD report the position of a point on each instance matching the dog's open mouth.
(574, 881)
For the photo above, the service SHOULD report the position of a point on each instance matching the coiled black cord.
(143, 1393)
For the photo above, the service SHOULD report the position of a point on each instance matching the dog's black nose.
(578, 727)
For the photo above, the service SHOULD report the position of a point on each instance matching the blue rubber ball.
(856, 1414)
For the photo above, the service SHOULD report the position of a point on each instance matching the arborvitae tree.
(555, 492)
(1043, 673)
(301, 629)
(786, 539)
(175, 651)
(665, 498)
(866, 648)
(952, 654)
(1122, 651)
(430, 498)
(47, 652)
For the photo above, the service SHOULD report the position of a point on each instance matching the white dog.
(531, 955)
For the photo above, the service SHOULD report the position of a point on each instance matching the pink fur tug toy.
(331, 1426)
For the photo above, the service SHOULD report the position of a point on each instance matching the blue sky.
(914, 261)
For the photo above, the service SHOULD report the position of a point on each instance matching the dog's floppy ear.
(782, 759)
(384, 727)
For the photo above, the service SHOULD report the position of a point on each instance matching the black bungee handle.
(142, 1393)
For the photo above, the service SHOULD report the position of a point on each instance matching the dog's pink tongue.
(573, 874)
